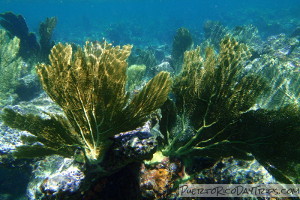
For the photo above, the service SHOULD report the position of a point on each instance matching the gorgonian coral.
(89, 86)
(10, 66)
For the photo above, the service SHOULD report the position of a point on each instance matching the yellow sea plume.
(89, 85)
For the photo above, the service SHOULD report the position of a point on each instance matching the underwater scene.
(143, 99)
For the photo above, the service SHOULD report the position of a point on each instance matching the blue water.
(146, 22)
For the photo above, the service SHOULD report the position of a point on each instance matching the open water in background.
(153, 21)
(145, 23)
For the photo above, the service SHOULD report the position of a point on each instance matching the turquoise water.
(153, 21)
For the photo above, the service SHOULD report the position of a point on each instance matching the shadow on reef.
(14, 181)
(123, 185)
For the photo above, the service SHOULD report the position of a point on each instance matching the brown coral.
(89, 85)
(212, 93)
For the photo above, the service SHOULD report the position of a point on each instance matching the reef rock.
(234, 171)
(54, 177)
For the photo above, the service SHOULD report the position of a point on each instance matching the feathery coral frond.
(89, 85)
(211, 94)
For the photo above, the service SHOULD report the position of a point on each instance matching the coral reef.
(29, 86)
(232, 115)
(30, 49)
(144, 57)
(122, 185)
(49, 174)
(248, 34)
(55, 176)
(138, 144)
(158, 178)
(235, 171)
(276, 59)
(20, 171)
(214, 32)
(279, 63)
(245, 34)
(210, 92)
(46, 30)
(267, 133)
(182, 41)
(89, 85)
(12, 138)
(10, 67)
(135, 75)
(16, 26)
(164, 66)
(155, 183)
(53, 133)
(18, 71)
(217, 114)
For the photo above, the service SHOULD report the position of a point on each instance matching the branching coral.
(217, 115)
(182, 42)
(135, 74)
(273, 136)
(46, 30)
(16, 26)
(30, 49)
(144, 57)
(55, 133)
(89, 85)
(211, 94)
(10, 65)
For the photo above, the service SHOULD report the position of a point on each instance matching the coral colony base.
(226, 111)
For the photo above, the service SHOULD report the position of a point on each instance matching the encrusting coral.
(89, 86)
